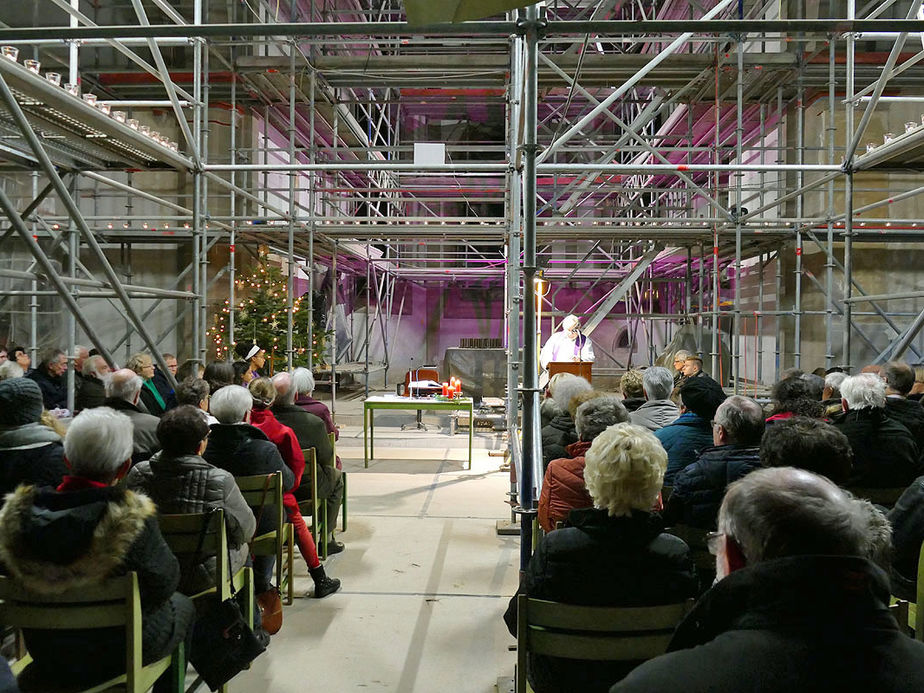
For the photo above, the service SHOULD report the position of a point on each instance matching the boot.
(323, 585)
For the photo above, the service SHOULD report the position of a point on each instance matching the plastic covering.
(483, 372)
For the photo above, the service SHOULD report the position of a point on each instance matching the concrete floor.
(425, 577)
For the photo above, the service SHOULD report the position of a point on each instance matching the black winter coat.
(556, 436)
(700, 487)
(92, 393)
(54, 390)
(30, 454)
(907, 519)
(909, 414)
(800, 624)
(884, 453)
(600, 560)
(62, 540)
(244, 450)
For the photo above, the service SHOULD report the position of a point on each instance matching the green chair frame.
(183, 534)
(592, 632)
(115, 602)
(307, 507)
(279, 542)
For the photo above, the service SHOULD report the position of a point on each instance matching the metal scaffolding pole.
(530, 25)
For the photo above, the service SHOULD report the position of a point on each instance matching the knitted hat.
(702, 396)
(20, 402)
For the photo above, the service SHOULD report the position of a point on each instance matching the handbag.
(222, 643)
(270, 603)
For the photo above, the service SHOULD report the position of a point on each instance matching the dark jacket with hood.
(799, 624)
(30, 454)
(700, 487)
(602, 561)
(60, 540)
(884, 453)
(188, 484)
(684, 440)
(556, 436)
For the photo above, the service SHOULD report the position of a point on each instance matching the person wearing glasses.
(567, 345)
(801, 603)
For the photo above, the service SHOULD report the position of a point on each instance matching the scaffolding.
(667, 168)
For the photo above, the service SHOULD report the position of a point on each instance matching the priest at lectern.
(567, 345)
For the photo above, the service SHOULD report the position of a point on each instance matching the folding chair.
(592, 632)
(343, 503)
(316, 507)
(115, 602)
(280, 542)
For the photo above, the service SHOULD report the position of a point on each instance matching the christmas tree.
(260, 317)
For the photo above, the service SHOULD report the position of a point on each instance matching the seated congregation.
(84, 505)
(793, 526)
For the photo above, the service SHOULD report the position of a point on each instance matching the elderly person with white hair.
(303, 382)
(563, 487)
(123, 391)
(92, 391)
(658, 410)
(613, 554)
(88, 530)
(311, 433)
(885, 454)
(831, 395)
(10, 369)
(559, 433)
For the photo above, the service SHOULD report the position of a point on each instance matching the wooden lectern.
(581, 368)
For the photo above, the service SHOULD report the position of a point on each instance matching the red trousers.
(303, 538)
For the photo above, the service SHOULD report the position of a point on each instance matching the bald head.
(783, 511)
(285, 392)
(124, 384)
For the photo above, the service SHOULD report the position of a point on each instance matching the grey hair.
(864, 391)
(192, 391)
(121, 386)
(549, 409)
(682, 355)
(98, 442)
(10, 369)
(783, 511)
(571, 320)
(833, 382)
(230, 404)
(658, 383)
(303, 381)
(899, 376)
(285, 388)
(815, 385)
(48, 356)
(566, 388)
(742, 418)
(596, 415)
(90, 367)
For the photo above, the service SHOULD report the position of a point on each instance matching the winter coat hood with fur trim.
(56, 542)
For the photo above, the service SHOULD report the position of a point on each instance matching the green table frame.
(412, 403)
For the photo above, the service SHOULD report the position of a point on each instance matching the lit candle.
(445, 389)
(452, 392)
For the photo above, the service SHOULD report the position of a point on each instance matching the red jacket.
(562, 491)
(283, 438)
